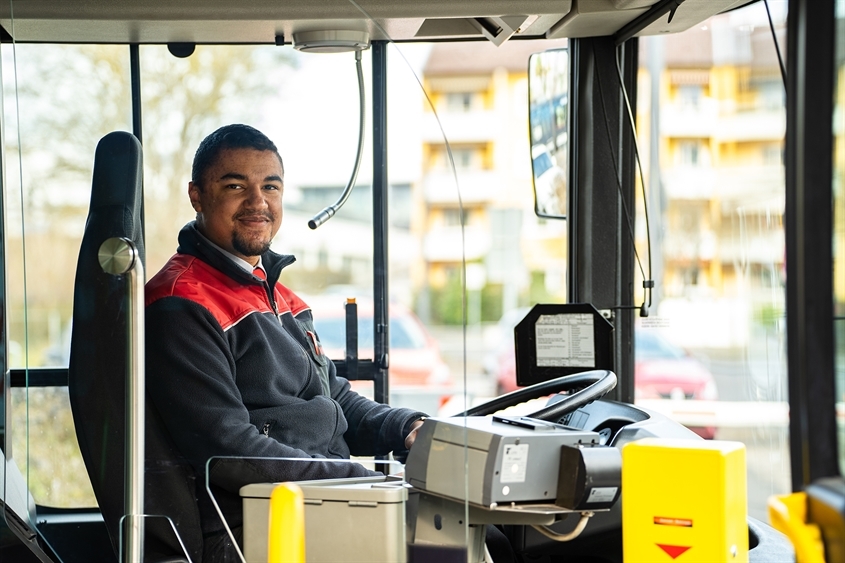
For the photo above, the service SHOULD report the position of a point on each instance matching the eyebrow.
(236, 176)
(232, 176)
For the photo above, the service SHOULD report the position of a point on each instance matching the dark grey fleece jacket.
(235, 369)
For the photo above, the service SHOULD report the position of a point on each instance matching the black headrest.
(117, 183)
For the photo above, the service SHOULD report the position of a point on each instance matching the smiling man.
(234, 366)
(238, 199)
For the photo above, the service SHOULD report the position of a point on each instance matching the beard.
(250, 244)
(249, 247)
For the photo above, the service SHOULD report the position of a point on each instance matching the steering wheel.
(592, 385)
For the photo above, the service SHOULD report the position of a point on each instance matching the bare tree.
(58, 102)
(70, 96)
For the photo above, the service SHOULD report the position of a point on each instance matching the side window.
(50, 136)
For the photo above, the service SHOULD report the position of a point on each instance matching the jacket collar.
(191, 242)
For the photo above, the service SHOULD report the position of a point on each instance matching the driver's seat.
(97, 370)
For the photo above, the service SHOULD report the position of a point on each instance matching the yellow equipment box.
(685, 501)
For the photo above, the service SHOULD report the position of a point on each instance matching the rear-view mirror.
(548, 95)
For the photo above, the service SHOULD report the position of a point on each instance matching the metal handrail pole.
(119, 256)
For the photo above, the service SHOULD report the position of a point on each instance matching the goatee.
(249, 247)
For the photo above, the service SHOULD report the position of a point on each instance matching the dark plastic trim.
(809, 241)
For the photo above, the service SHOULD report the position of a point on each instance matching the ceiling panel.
(261, 21)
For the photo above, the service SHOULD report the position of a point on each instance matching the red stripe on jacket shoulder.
(293, 301)
(227, 300)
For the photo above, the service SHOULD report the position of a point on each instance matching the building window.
(459, 102)
(772, 155)
(690, 276)
(452, 217)
(689, 96)
(465, 158)
(771, 94)
(689, 153)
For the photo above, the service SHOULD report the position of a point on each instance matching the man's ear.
(194, 195)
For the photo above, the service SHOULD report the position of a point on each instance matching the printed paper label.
(514, 463)
(565, 340)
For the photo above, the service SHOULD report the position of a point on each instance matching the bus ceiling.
(271, 21)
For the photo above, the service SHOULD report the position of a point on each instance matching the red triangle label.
(674, 551)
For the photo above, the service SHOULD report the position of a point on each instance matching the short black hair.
(235, 136)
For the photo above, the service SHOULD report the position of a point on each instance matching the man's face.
(239, 205)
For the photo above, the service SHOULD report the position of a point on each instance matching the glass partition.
(484, 256)
(838, 126)
(49, 135)
(711, 129)
(483, 206)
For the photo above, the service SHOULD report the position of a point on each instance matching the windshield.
(466, 249)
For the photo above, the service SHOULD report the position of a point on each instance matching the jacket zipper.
(269, 292)
(272, 302)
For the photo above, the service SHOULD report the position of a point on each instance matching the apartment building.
(720, 185)
(479, 94)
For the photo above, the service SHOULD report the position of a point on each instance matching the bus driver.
(234, 366)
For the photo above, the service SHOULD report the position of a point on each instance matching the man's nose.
(256, 197)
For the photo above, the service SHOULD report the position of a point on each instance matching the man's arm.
(374, 428)
(191, 383)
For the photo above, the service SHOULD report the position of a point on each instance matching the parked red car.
(665, 371)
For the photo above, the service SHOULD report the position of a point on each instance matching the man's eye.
(233, 187)
(272, 187)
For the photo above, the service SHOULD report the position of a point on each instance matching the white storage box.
(346, 520)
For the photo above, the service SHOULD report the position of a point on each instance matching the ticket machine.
(462, 474)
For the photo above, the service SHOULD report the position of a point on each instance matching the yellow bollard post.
(286, 537)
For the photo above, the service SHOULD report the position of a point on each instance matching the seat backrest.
(97, 369)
